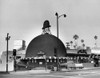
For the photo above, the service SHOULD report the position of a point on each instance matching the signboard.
(18, 42)
(82, 52)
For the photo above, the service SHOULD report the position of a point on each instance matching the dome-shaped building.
(46, 43)
(45, 50)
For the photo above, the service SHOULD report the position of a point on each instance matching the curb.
(4, 72)
(30, 72)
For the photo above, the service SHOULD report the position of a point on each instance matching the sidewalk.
(85, 68)
(47, 71)
(30, 72)
(91, 68)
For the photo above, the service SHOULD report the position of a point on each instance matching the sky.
(23, 19)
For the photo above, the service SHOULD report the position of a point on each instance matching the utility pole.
(7, 39)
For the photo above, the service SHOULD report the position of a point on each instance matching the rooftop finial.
(46, 24)
(46, 27)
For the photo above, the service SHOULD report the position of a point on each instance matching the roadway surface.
(91, 73)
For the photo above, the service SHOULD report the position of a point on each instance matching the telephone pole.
(7, 39)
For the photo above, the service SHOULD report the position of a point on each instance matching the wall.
(3, 63)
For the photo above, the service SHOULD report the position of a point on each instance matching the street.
(95, 73)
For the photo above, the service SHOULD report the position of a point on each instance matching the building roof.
(45, 43)
(73, 51)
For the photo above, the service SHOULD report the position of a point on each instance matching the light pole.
(7, 39)
(58, 16)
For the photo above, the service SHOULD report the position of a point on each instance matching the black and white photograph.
(49, 38)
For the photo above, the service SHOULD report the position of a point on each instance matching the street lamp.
(7, 39)
(58, 16)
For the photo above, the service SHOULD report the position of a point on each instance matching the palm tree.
(95, 37)
(71, 42)
(82, 40)
(67, 45)
(83, 45)
(75, 37)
